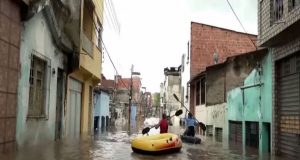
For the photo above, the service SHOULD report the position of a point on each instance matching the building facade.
(79, 120)
(43, 72)
(212, 87)
(172, 85)
(122, 98)
(10, 30)
(212, 45)
(250, 109)
(279, 23)
(101, 109)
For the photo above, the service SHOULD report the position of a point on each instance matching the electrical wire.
(240, 23)
(104, 47)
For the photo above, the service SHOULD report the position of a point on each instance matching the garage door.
(74, 108)
(219, 134)
(252, 134)
(288, 107)
(235, 132)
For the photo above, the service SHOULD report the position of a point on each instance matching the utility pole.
(130, 95)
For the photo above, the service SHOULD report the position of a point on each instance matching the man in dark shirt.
(191, 123)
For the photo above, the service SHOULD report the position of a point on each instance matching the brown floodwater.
(114, 144)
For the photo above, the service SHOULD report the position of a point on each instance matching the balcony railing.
(87, 44)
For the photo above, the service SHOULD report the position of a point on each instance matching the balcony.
(91, 64)
(276, 29)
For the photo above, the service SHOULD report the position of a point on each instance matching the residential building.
(46, 50)
(79, 120)
(146, 103)
(122, 97)
(212, 86)
(249, 108)
(279, 22)
(212, 45)
(101, 109)
(109, 86)
(10, 30)
(172, 85)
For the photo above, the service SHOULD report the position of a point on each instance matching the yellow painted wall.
(85, 112)
(89, 72)
(92, 64)
(99, 9)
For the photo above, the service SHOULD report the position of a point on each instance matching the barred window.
(277, 9)
(200, 92)
(37, 81)
(293, 4)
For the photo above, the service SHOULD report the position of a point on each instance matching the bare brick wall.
(268, 29)
(9, 71)
(205, 40)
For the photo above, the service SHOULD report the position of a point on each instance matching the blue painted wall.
(254, 103)
(101, 105)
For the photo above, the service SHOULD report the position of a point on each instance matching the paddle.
(147, 129)
(202, 125)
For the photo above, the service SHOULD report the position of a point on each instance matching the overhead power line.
(240, 22)
(110, 59)
(104, 47)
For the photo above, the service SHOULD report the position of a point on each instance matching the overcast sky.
(154, 33)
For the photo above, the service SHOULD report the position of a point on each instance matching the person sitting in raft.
(163, 124)
(191, 123)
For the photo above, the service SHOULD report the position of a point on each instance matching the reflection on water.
(115, 144)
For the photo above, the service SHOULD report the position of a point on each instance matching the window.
(37, 80)
(88, 19)
(293, 4)
(277, 9)
(198, 93)
(98, 33)
(202, 91)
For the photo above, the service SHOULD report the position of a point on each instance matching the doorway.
(59, 104)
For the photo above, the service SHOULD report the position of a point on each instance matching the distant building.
(172, 85)
(122, 95)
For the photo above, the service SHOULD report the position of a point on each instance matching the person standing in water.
(191, 123)
(163, 124)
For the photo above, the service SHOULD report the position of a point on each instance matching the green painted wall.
(254, 103)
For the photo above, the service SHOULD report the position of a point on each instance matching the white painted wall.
(215, 115)
(36, 36)
(185, 77)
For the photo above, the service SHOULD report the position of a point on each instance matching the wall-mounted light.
(53, 71)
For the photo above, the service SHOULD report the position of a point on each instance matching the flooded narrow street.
(114, 143)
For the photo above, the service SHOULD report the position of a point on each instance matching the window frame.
(202, 91)
(293, 4)
(277, 10)
(43, 112)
